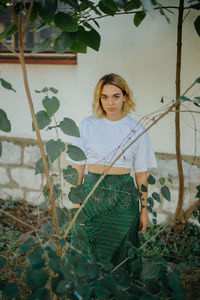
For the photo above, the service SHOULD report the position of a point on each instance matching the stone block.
(34, 197)
(11, 153)
(4, 179)
(25, 177)
(31, 155)
(15, 194)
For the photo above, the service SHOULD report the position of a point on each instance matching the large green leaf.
(54, 149)
(134, 4)
(51, 105)
(37, 279)
(62, 42)
(39, 167)
(109, 7)
(66, 22)
(4, 122)
(197, 25)
(36, 259)
(11, 291)
(70, 175)
(42, 119)
(165, 192)
(153, 267)
(12, 29)
(139, 17)
(197, 80)
(63, 217)
(42, 46)
(175, 283)
(79, 44)
(77, 194)
(75, 153)
(151, 179)
(93, 39)
(68, 126)
(47, 9)
(156, 196)
(6, 85)
(34, 12)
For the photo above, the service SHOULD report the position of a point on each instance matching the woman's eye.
(117, 97)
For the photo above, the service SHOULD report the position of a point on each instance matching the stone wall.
(18, 179)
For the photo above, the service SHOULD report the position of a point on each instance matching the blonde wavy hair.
(120, 83)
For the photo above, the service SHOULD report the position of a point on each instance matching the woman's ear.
(125, 98)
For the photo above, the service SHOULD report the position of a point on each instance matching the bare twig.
(9, 48)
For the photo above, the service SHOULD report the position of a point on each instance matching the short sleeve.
(79, 142)
(145, 156)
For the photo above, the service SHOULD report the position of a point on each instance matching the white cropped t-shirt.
(103, 140)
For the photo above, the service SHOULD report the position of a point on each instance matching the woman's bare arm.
(141, 178)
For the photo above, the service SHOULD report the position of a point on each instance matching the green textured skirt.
(113, 217)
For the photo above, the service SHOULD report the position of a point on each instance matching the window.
(32, 39)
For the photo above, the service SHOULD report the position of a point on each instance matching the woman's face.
(112, 100)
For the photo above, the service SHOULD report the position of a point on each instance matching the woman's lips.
(111, 109)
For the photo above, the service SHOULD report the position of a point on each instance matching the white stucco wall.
(144, 56)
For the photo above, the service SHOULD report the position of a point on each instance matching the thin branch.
(14, 15)
(28, 17)
(10, 48)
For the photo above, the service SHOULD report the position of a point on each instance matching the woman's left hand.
(144, 220)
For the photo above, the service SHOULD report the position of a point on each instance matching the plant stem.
(177, 114)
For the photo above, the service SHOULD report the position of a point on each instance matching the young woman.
(103, 136)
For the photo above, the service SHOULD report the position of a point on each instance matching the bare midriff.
(113, 170)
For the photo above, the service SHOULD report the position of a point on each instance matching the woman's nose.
(110, 100)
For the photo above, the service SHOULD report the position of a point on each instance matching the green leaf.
(134, 4)
(154, 213)
(198, 195)
(196, 6)
(0, 149)
(63, 217)
(184, 98)
(4, 122)
(150, 201)
(166, 192)
(51, 105)
(197, 25)
(75, 153)
(11, 290)
(42, 46)
(156, 196)
(53, 90)
(77, 194)
(54, 149)
(151, 179)
(39, 167)
(69, 127)
(37, 279)
(47, 9)
(2, 261)
(56, 191)
(62, 42)
(162, 180)
(27, 245)
(36, 259)
(93, 39)
(66, 22)
(42, 119)
(153, 267)
(108, 7)
(79, 44)
(6, 85)
(198, 188)
(175, 283)
(154, 221)
(82, 218)
(197, 80)
(149, 208)
(143, 188)
(12, 29)
(170, 180)
(138, 18)
(70, 175)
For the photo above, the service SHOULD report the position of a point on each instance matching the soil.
(27, 213)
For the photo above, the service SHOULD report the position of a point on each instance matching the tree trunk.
(177, 114)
